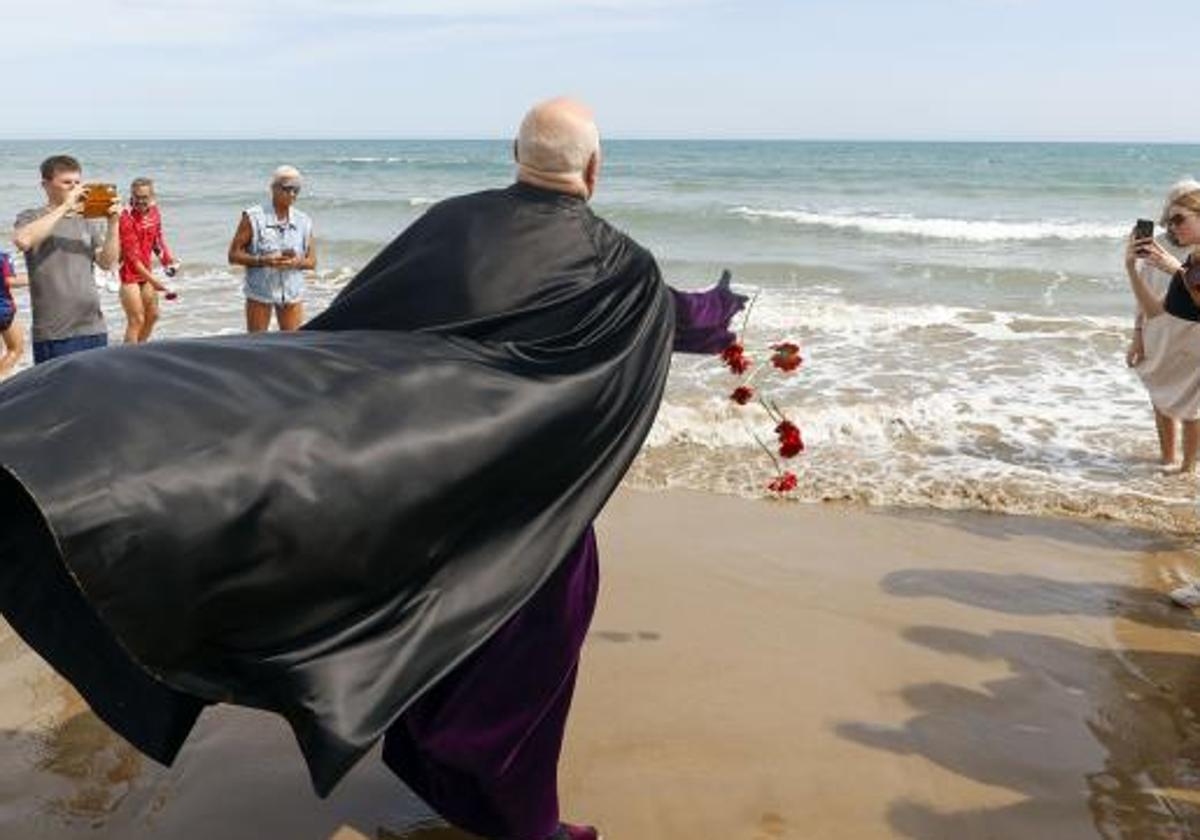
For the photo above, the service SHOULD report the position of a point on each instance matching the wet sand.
(755, 671)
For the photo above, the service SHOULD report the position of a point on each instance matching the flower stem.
(770, 454)
(746, 317)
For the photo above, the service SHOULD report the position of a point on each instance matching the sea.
(962, 308)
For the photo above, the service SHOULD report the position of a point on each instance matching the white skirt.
(1171, 369)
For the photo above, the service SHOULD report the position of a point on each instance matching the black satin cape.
(323, 523)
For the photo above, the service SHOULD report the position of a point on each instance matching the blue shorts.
(277, 288)
(8, 309)
(44, 351)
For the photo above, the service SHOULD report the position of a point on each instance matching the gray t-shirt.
(62, 290)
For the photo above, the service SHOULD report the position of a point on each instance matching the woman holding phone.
(1170, 347)
(1166, 347)
(275, 242)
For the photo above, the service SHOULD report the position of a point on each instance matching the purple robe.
(482, 746)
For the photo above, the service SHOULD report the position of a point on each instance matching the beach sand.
(756, 670)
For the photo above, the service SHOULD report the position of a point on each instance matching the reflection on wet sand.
(101, 766)
(1117, 718)
(64, 775)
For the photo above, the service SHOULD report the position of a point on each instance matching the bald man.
(482, 747)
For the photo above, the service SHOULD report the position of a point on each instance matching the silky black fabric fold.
(322, 524)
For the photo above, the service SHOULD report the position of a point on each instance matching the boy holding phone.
(61, 249)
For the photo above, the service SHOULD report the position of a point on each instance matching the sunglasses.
(288, 189)
(1178, 219)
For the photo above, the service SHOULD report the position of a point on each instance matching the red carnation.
(784, 484)
(735, 357)
(790, 442)
(742, 394)
(786, 356)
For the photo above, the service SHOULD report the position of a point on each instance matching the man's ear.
(516, 157)
(591, 173)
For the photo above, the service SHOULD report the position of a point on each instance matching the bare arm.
(239, 245)
(29, 236)
(1149, 304)
(109, 254)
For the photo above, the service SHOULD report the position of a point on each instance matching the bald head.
(558, 147)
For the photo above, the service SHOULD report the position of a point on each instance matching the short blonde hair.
(285, 173)
(1185, 193)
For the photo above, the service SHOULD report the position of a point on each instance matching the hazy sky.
(972, 69)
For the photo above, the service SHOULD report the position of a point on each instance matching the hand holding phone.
(99, 200)
(1143, 229)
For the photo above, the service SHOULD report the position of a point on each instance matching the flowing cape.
(322, 524)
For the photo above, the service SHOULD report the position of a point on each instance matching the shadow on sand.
(1094, 740)
(1032, 595)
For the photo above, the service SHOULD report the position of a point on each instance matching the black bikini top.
(1179, 301)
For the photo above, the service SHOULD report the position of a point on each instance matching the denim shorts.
(274, 287)
(44, 351)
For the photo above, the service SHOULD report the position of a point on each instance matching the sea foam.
(968, 230)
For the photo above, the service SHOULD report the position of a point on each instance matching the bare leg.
(258, 316)
(1166, 437)
(290, 316)
(1191, 442)
(14, 347)
(135, 314)
(150, 307)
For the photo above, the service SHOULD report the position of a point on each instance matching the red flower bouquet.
(785, 357)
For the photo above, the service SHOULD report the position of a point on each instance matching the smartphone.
(97, 199)
(1144, 229)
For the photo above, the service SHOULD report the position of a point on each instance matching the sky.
(854, 69)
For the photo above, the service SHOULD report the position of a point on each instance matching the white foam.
(928, 405)
(967, 230)
(816, 309)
